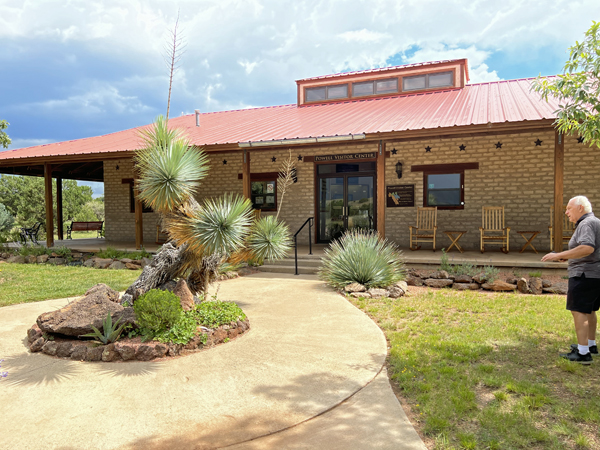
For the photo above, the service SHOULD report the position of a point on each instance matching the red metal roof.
(476, 104)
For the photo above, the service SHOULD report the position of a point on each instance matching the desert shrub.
(113, 253)
(31, 249)
(157, 311)
(362, 257)
(212, 314)
(181, 332)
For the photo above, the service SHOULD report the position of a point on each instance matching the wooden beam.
(246, 176)
(381, 189)
(139, 221)
(59, 209)
(559, 169)
(49, 205)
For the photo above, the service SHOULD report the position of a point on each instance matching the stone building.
(370, 148)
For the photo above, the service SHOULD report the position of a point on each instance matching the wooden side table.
(454, 237)
(528, 239)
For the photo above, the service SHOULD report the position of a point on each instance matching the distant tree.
(6, 219)
(4, 139)
(90, 212)
(24, 198)
(578, 89)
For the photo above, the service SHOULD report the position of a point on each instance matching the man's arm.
(578, 252)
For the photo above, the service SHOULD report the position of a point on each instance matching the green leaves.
(110, 332)
(269, 239)
(4, 139)
(170, 168)
(578, 89)
(363, 258)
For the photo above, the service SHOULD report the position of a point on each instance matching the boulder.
(17, 259)
(77, 317)
(185, 295)
(126, 260)
(79, 353)
(480, 278)
(34, 333)
(89, 262)
(474, 286)
(463, 279)
(109, 353)
(50, 348)
(145, 352)
(376, 292)
(37, 345)
(438, 283)
(558, 288)
(413, 280)
(42, 259)
(64, 349)
(101, 263)
(461, 286)
(355, 287)
(30, 259)
(440, 275)
(132, 266)
(395, 291)
(94, 353)
(523, 286)
(546, 283)
(116, 265)
(535, 285)
(499, 285)
(512, 280)
(126, 352)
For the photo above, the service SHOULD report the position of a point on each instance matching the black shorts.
(584, 294)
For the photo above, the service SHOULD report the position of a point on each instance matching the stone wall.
(519, 176)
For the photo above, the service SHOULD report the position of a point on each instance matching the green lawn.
(481, 371)
(20, 283)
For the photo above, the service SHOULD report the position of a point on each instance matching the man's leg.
(592, 323)
(581, 326)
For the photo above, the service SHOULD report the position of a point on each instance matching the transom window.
(375, 87)
(428, 81)
(326, 92)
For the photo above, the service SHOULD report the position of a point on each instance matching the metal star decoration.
(273, 159)
(394, 151)
(224, 162)
(117, 167)
(299, 157)
(499, 144)
(580, 140)
(462, 147)
(428, 149)
(538, 142)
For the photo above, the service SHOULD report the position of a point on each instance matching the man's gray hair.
(580, 200)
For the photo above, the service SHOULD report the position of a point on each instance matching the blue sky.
(76, 69)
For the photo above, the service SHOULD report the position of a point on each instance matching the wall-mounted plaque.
(401, 195)
(345, 157)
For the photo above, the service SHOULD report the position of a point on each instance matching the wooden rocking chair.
(425, 229)
(568, 228)
(492, 227)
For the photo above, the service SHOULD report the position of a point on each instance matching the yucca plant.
(110, 333)
(362, 257)
(202, 236)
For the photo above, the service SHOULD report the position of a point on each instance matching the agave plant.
(204, 236)
(110, 333)
(362, 257)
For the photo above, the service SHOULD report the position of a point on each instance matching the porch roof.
(483, 104)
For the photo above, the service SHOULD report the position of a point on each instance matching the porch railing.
(309, 221)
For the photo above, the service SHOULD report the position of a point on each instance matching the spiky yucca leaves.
(364, 258)
(269, 239)
(170, 169)
(219, 226)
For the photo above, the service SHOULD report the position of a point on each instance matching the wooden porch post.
(139, 222)
(59, 209)
(49, 205)
(381, 189)
(246, 174)
(559, 168)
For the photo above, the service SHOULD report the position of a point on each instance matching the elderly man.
(583, 295)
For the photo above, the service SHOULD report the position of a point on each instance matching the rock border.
(131, 349)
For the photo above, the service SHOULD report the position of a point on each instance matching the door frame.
(344, 175)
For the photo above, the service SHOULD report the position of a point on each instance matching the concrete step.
(272, 268)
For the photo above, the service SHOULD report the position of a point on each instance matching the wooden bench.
(84, 226)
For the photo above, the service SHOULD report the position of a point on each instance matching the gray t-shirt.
(587, 232)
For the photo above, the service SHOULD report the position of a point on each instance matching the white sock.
(583, 349)
(590, 342)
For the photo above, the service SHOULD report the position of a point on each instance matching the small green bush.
(536, 274)
(182, 332)
(113, 253)
(362, 257)
(157, 311)
(31, 249)
(212, 314)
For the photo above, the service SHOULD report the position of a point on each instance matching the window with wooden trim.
(145, 209)
(326, 93)
(444, 190)
(264, 194)
(376, 87)
(428, 81)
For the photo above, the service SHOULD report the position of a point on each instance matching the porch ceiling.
(86, 171)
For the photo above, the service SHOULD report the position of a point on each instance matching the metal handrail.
(309, 221)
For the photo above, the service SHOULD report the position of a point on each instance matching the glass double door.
(346, 201)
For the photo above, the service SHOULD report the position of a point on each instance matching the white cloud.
(363, 36)
(22, 143)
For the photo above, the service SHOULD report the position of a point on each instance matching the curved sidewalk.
(307, 375)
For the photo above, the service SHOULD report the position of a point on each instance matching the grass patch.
(22, 283)
(113, 253)
(482, 370)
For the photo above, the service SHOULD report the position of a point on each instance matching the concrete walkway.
(307, 375)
